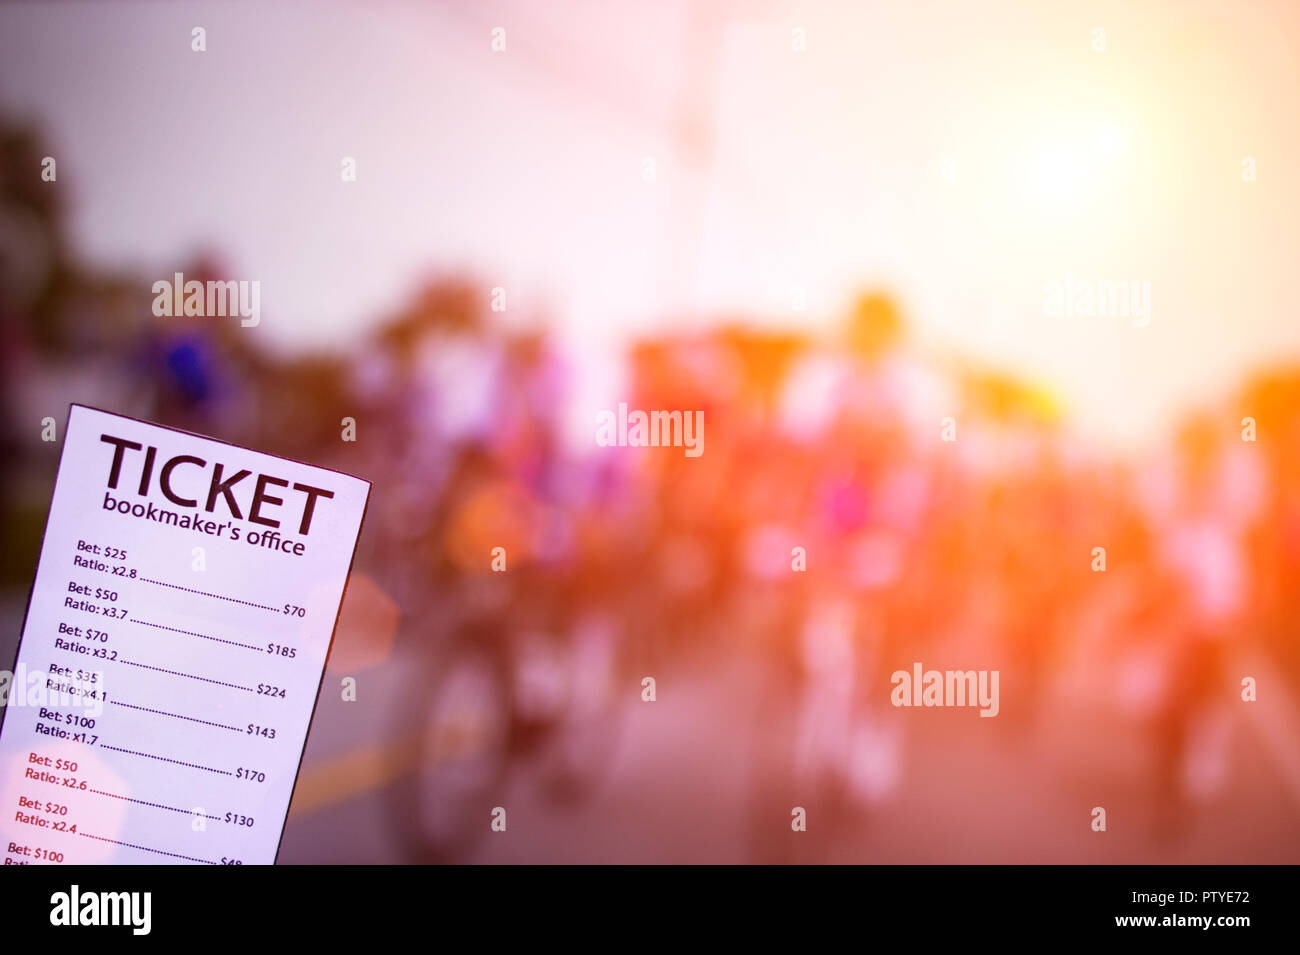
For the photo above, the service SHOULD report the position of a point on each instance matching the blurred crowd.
(861, 504)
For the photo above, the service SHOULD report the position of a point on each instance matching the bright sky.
(963, 154)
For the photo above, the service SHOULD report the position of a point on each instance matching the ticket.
(173, 648)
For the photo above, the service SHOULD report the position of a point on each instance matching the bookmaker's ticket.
(173, 648)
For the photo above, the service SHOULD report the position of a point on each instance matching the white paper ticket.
(173, 649)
